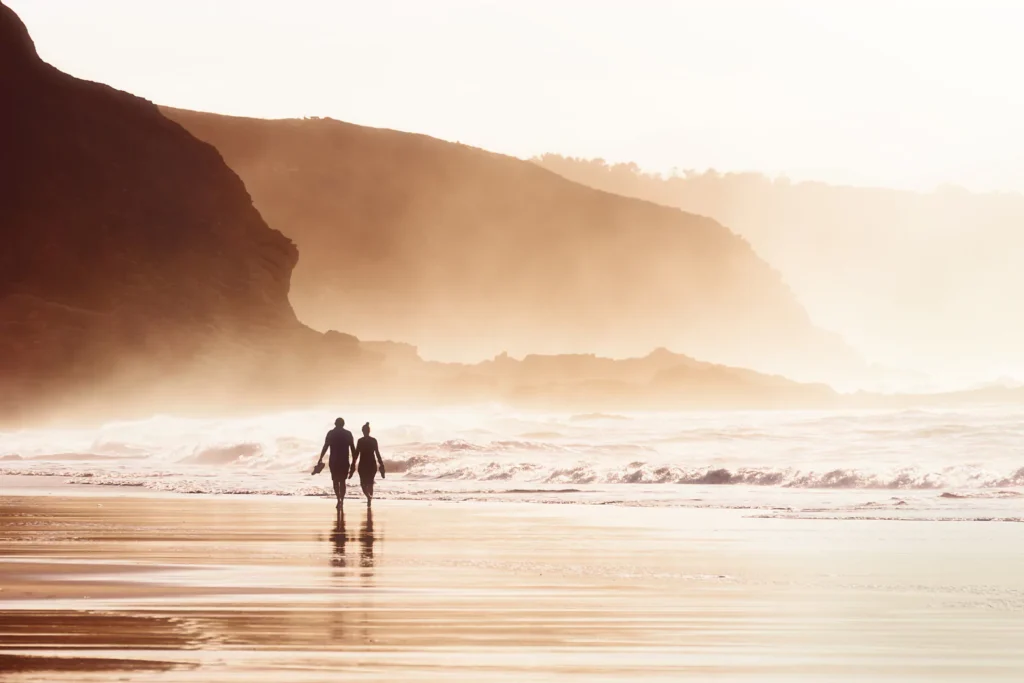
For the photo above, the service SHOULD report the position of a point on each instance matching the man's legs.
(339, 491)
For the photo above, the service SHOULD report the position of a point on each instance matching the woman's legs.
(367, 484)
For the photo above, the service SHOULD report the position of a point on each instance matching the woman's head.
(366, 429)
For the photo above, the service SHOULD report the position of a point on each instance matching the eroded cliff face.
(127, 242)
(466, 253)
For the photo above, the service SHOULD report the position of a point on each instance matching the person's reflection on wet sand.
(366, 539)
(339, 538)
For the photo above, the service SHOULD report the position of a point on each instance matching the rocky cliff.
(127, 242)
(466, 253)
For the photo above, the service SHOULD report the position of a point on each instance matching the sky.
(896, 93)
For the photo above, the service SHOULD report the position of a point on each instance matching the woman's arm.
(380, 460)
(355, 454)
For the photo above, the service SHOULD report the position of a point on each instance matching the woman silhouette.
(368, 458)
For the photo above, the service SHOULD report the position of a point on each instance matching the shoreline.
(835, 505)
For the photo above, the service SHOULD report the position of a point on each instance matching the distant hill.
(922, 280)
(466, 254)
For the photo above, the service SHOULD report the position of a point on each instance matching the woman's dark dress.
(367, 449)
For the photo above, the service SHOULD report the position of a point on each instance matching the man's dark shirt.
(340, 441)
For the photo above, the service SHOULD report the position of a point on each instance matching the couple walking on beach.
(365, 458)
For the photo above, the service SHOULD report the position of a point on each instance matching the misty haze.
(919, 281)
(476, 341)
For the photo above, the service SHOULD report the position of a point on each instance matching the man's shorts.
(339, 473)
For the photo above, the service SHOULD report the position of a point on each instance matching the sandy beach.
(156, 587)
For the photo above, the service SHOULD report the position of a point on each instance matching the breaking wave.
(643, 473)
(423, 468)
(960, 456)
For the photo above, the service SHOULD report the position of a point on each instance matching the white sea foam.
(953, 460)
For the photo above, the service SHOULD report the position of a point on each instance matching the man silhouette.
(340, 441)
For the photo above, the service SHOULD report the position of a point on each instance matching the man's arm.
(352, 450)
(327, 440)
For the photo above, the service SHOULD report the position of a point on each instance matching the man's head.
(366, 429)
(340, 422)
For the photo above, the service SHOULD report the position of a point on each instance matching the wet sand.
(138, 587)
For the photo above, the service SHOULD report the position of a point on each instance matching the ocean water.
(917, 464)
